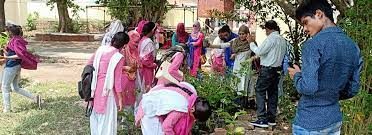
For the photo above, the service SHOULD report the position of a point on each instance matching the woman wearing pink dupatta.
(147, 55)
(195, 44)
(131, 63)
(140, 26)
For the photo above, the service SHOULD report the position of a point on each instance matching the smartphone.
(290, 64)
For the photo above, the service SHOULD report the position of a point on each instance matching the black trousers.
(267, 84)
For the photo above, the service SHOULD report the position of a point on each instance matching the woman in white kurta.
(241, 53)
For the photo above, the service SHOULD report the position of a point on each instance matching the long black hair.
(119, 40)
(202, 109)
(147, 28)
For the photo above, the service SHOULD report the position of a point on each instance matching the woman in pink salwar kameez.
(195, 44)
(171, 107)
(106, 86)
(147, 55)
(131, 63)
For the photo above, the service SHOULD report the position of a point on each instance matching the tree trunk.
(287, 7)
(64, 24)
(2, 16)
(153, 12)
(341, 5)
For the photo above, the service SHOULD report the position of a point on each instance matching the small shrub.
(4, 38)
(76, 25)
(287, 108)
(31, 21)
(357, 114)
(221, 93)
(290, 90)
(54, 27)
(127, 123)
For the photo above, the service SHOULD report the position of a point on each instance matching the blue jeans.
(11, 76)
(334, 129)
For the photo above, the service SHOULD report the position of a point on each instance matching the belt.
(268, 67)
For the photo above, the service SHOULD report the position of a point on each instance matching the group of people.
(234, 49)
(126, 62)
(168, 105)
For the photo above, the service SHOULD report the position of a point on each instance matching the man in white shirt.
(271, 54)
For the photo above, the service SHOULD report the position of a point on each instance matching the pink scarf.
(140, 26)
(131, 51)
(18, 44)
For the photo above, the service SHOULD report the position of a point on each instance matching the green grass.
(62, 112)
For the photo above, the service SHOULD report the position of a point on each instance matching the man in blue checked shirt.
(331, 65)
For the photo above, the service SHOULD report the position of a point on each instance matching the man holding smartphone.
(331, 65)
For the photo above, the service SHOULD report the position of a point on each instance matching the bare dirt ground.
(61, 61)
(64, 61)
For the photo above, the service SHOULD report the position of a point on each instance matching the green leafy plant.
(246, 67)
(357, 24)
(65, 22)
(4, 38)
(221, 92)
(31, 21)
(76, 26)
(127, 123)
(132, 10)
(287, 101)
(228, 118)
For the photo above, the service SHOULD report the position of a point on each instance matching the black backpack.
(84, 87)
